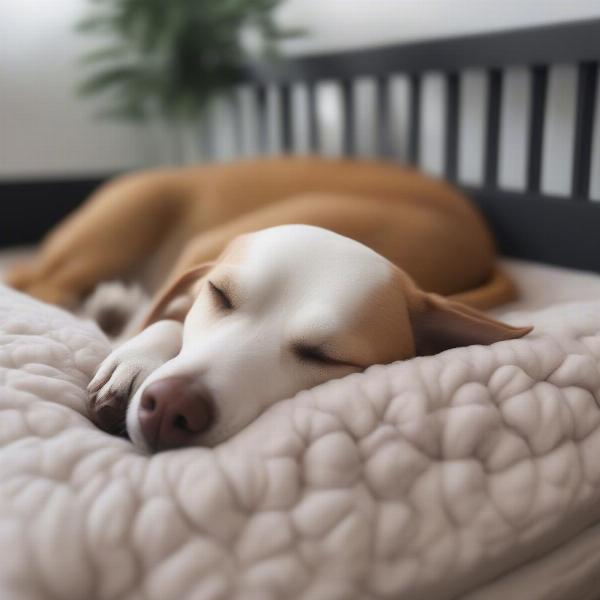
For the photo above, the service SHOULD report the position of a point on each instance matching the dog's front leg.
(125, 369)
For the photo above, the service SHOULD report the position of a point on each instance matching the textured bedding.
(471, 474)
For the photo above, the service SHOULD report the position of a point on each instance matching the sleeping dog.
(285, 273)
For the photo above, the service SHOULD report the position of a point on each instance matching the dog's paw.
(113, 386)
(114, 306)
(126, 368)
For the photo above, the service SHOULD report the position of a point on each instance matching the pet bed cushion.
(471, 474)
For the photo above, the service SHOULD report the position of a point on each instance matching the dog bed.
(471, 474)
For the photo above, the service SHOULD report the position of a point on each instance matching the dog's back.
(179, 217)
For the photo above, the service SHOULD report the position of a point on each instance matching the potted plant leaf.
(166, 60)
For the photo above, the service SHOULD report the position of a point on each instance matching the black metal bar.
(550, 44)
(492, 133)
(285, 101)
(348, 123)
(537, 114)
(543, 228)
(313, 119)
(261, 118)
(587, 77)
(452, 116)
(384, 141)
(414, 119)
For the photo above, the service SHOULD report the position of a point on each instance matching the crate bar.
(537, 114)
(285, 101)
(313, 119)
(348, 145)
(382, 91)
(587, 78)
(452, 124)
(415, 119)
(573, 42)
(237, 114)
(492, 133)
(260, 94)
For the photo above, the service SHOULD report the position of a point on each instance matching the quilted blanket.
(471, 474)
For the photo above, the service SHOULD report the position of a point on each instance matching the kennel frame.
(561, 230)
(529, 224)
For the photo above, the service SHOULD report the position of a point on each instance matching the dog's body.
(179, 218)
(273, 312)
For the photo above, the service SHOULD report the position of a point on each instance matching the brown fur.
(187, 216)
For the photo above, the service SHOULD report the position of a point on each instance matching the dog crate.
(530, 222)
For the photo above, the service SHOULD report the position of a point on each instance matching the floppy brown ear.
(439, 324)
(177, 298)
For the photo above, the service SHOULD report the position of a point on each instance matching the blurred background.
(48, 131)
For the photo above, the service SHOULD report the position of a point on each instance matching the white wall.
(45, 130)
(341, 24)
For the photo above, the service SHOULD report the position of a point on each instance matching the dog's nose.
(172, 413)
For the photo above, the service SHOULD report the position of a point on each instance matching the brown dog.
(269, 308)
(187, 216)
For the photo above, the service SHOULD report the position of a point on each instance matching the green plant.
(170, 57)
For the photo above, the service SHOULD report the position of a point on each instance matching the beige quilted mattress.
(471, 474)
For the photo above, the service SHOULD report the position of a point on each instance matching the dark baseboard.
(559, 231)
(555, 230)
(28, 209)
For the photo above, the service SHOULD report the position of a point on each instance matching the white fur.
(129, 300)
(125, 369)
(295, 283)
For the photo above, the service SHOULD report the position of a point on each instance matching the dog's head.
(282, 310)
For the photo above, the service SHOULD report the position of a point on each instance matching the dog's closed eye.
(314, 354)
(220, 296)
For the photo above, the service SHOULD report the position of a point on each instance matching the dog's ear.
(439, 324)
(176, 299)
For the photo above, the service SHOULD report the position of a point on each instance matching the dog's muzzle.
(173, 413)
